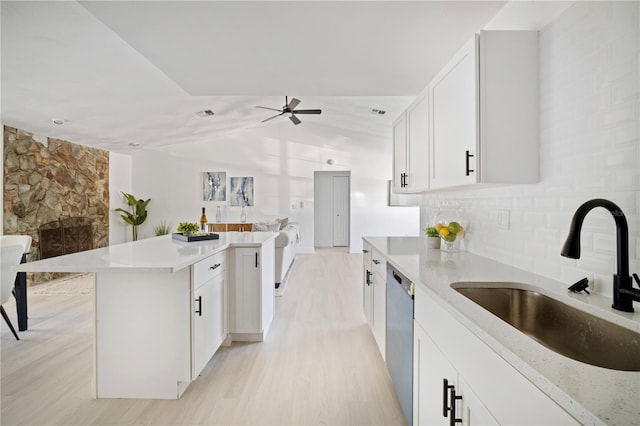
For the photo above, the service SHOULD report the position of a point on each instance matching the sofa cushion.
(283, 222)
(266, 226)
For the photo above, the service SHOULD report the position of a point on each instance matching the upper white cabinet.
(411, 147)
(483, 112)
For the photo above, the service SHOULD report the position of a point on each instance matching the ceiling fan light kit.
(289, 108)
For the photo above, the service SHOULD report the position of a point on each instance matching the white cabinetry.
(374, 294)
(484, 112)
(209, 324)
(492, 391)
(252, 295)
(367, 278)
(411, 147)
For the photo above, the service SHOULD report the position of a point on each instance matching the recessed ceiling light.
(134, 144)
(378, 111)
(58, 121)
(205, 113)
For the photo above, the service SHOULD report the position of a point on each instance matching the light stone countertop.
(593, 395)
(158, 253)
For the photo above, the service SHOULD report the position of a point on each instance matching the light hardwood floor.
(319, 364)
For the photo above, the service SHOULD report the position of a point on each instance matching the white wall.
(120, 180)
(282, 159)
(589, 148)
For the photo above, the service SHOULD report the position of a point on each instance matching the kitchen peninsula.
(163, 307)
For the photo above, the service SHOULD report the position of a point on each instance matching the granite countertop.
(592, 395)
(158, 253)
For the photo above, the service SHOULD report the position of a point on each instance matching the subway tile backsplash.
(589, 148)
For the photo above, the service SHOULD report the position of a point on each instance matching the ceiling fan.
(289, 108)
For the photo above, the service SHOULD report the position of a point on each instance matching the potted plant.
(433, 237)
(188, 228)
(137, 216)
(162, 228)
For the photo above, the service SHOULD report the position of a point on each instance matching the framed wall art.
(241, 191)
(214, 186)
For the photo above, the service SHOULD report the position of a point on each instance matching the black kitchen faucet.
(623, 292)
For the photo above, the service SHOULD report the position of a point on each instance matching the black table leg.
(20, 293)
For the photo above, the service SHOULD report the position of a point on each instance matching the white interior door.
(340, 193)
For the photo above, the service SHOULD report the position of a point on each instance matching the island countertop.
(592, 395)
(157, 253)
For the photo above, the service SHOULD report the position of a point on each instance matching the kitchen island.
(163, 307)
(558, 387)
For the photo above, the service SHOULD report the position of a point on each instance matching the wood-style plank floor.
(319, 364)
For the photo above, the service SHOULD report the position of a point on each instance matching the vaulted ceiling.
(136, 72)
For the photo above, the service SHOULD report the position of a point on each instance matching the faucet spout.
(623, 293)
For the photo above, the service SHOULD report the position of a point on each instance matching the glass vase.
(451, 226)
(218, 215)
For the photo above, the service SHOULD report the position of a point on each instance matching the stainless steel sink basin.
(558, 326)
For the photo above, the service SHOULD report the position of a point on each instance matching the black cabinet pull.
(376, 261)
(256, 259)
(368, 280)
(445, 397)
(453, 398)
(406, 175)
(199, 310)
(217, 265)
(468, 155)
(365, 251)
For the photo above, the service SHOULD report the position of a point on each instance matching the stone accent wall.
(46, 179)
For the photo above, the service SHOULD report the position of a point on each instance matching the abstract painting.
(241, 191)
(214, 186)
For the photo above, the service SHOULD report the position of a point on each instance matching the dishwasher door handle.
(397, 277)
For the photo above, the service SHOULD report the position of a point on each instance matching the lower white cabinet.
(374, 295)
(438, 391)
(491, 390)
(209, 323)
(252, 294)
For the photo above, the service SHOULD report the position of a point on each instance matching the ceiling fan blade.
(271, 118)
(294, 103)
(295, 119)
(308, 111)
(272, 109)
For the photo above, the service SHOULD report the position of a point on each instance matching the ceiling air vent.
(205, 113)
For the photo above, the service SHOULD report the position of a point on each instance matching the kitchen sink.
(562, 328)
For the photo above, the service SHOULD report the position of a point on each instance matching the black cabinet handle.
(376, 261)
(368, 280)
(445, 397)
(199, 310)
(217, 265)
(406, 175)
(453, 398)
(468, 155)
(365, 251)
(256, 259)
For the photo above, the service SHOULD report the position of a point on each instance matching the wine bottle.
(203, 220)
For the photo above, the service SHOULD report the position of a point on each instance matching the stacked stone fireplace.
(57, 192)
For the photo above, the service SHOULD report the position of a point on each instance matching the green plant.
(188, 228)
(162, 228)
(137, 216)
(431, 232)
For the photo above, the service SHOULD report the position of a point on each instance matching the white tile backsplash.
(589, 148)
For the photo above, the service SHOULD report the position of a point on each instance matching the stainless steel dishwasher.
(400, 338)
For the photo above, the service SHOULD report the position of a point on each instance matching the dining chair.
(20, 286)
(9, 256)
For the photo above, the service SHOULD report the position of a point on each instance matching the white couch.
(287, 243)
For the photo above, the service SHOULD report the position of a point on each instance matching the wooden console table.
(229, 227)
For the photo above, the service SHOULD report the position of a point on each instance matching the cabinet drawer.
(378, 264)
(208, 268)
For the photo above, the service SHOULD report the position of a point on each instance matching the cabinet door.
(366, 281)
(399, 153)
(246, 292)
(379, 311)
(430, 369)
(418, 145)
(454, 120)
(204, 314)
(470, 409)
